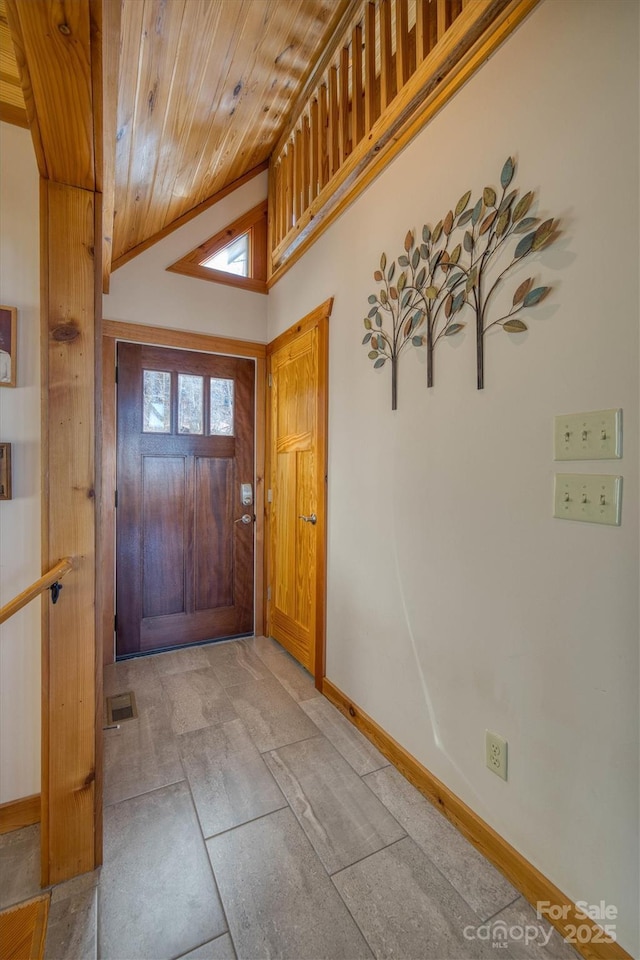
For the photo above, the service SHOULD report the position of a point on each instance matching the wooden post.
(443, 14)
(402, 42)
(370, 111)
(323, 151)
(386, 57)
(343, 109)
(315, 153)
(357, 101)
(69, 282)
(334, 121)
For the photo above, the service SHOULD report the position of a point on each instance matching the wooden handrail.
(43, 583)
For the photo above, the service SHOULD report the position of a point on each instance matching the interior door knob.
(245, 518)
(312, 519)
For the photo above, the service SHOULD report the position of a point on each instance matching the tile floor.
(246, 818)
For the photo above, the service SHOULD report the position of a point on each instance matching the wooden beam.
(69, 650)
(106, 45)
(25, 80)
(55, 41)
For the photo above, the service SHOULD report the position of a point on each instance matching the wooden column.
(69, 285)
(62, 60)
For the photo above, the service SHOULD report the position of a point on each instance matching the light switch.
(588, 436)
(594, 498)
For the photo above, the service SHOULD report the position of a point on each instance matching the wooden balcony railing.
(37, 587)
(385, 73)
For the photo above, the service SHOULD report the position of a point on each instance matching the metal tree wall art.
(491, 224)
(435, 283)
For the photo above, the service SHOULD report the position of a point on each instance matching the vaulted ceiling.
(204, 91)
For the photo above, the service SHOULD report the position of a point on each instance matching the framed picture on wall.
(8, 346)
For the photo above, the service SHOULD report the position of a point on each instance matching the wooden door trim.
(112, 331)
(317, 318)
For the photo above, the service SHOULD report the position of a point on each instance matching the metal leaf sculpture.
(495, 220)
(435, 283)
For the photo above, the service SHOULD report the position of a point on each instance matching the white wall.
(456, 602)
(143, 292)
(20, 425)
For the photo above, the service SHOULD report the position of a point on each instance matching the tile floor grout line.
(213, 875)
(498, 912)
(314, 736)
(144, 793)
(430, 859)
(214, 836)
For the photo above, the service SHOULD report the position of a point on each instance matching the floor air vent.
(121, 707)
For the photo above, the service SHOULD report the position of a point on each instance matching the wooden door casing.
(184, 567)
(297, 422)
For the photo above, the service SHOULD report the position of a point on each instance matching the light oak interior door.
(184, 538)
(297, 363)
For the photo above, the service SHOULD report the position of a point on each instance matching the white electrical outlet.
(496, 749)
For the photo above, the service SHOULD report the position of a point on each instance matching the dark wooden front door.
(184, 563)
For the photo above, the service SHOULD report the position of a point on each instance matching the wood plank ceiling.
(12, 107)
(204, 90)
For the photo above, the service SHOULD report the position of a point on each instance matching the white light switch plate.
(588, 436)
(594, 498)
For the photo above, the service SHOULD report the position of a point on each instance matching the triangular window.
(236, 255)
(234, 258)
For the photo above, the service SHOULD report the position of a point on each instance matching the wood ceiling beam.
(27, 89)
(105, 60)
(53, 48)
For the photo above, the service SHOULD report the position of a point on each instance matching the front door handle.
(245, 518)
(312, 519)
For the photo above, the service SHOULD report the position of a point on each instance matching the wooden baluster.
(422, 30)
(386, 57)
(370, 99)
(323, 140)
(274, 211)
(297, 177)
(443, 15)
(334, 122)
(343, 106)
(402, 43)
(306, 162)
(456, 9)
(315, 151)
(290, 166)
(357, 102)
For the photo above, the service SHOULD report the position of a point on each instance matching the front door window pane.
(190, 403)
(221, 424)
(156, 417)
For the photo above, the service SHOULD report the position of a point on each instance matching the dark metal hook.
(55, 591)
